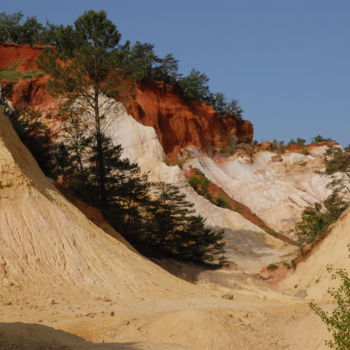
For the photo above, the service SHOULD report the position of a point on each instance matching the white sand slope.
(61, 275)
(59, 270)
(248, 245)
(275, 191)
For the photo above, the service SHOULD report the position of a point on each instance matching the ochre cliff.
(179, 122)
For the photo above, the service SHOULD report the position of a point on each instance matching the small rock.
(112, 313)
(276, 158)
(302, 293)
(228, 296)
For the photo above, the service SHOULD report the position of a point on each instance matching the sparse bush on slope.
(338, 320)
(317, 219)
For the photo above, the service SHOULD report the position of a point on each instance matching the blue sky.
(286, 61)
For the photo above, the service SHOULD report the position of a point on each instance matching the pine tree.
(175, 231)
(85, 67)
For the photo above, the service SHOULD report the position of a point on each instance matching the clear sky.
(286, 61)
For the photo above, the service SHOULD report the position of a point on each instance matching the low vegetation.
(338, 320)
(202, 186)
(315, 220)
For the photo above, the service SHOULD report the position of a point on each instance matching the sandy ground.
(66, 284)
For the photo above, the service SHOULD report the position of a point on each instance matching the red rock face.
(24, 55)
(178, 122)
(300, 149)
(27, 92)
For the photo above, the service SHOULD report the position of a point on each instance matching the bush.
(221, 202)
(272, 267)
(313, 222)
(194, 181)
(319, 138)
(338, 320)
(278, 146)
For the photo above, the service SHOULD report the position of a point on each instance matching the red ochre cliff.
(179, 122)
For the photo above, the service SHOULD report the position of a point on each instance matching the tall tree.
(86, 67)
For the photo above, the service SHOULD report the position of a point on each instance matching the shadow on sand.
(25, 336)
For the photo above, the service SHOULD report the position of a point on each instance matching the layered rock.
(275, 187)
(180, 122)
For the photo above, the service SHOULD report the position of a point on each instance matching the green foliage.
(338, 320)
(13, 27)
(93, 31)
(154, 217)
(288, 265)
(316, 220)
(200, 184)
(301, 142)
(272, 267)
(278, 146)
(194, 181)
(34, 135)
(167, 70)
(313, 223)
(319, 138)
(10, 74)
(175, 231)
(218, 101)
(93, 72)
(337, 160)
(195, 85)
(222, 202)
(233, 108)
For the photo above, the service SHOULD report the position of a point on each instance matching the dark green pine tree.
(86, 66)
(175, 231)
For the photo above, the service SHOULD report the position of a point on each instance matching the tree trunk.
(101, 169)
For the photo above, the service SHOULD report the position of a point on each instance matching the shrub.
(194, 181)
(338, 320)
(221, 202)
(319, 138)
(272, 267)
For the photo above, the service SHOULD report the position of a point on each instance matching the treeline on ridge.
(139, 60)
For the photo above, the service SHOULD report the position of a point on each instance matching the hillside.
(59, 270)
(64, 282)
(137, 210)
(191, 133)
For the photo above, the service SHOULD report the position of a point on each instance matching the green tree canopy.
(13, 27)
(195, 85)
